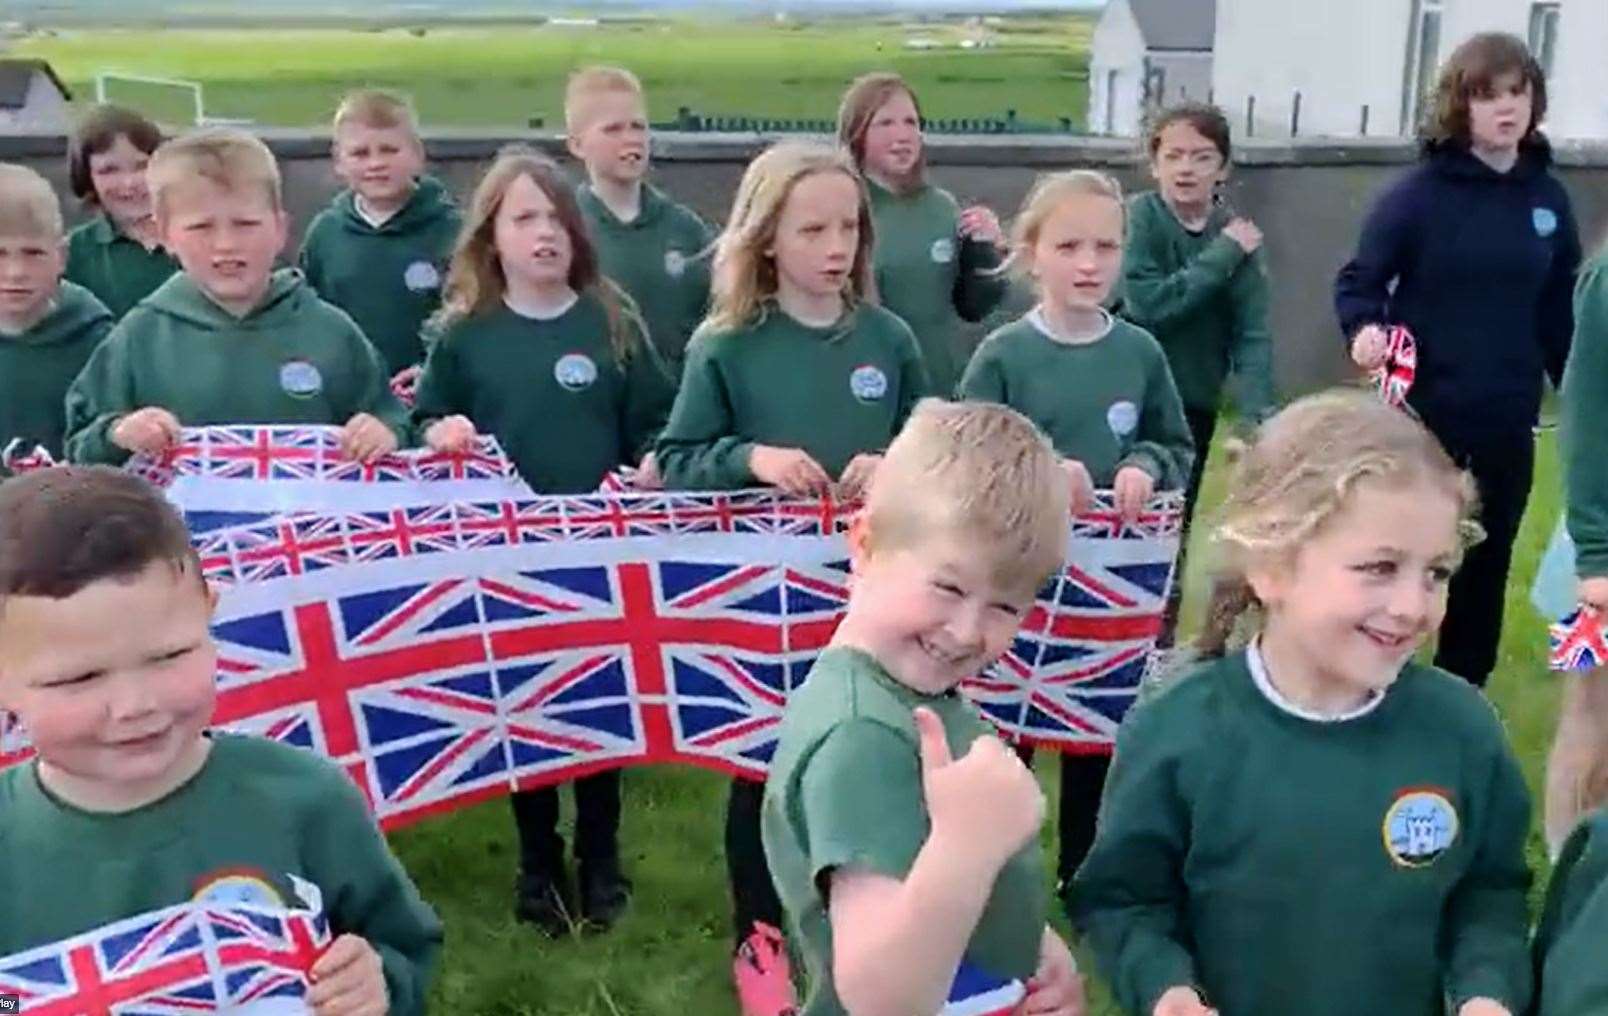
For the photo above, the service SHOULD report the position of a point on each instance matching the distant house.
(32, 99)
(1369, 66)
(1147, 53)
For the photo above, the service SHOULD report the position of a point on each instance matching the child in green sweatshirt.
(132, 805)
(656, 250)
(536, 348)
(1098, 387)
(1320, 825)
(228, 340)
(118, 254)
(379, 250)
(48, 327)
(936, 263)
(796, 381)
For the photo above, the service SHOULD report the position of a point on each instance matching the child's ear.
(859, 542)
(282, 224)
(1269, 579)
(573, 143)
(212, 596)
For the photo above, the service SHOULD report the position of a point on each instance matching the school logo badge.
(575, 372)
(300, 379)
(236, 887)
(867, 383)
(421, 277)
(1420, 826)
(675, 263)
(1122, 417)
(943, 251)
(1545, 220)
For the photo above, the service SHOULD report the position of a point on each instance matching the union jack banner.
(1576, 642)
(190, 958)
(444, 650)
(1395, 377)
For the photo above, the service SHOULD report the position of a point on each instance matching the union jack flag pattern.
(442, 651)
(975, 993)
(185, 959)
(1576, 642)
(1395, 378)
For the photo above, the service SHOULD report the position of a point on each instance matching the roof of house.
(1176, 24)
(15, 76)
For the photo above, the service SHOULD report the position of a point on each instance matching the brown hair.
(1471, 72)
(865, 95)
(64, 528)
(1298, 473)
(224, 156)
(475, 280)
(744, 276)
(378, 109)
(96, 132)
(1208, 120)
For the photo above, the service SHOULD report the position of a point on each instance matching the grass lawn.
(477, 76)
(669, 956)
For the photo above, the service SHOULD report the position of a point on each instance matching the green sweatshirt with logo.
(1288, 866)
(118, 269)
(257, 819)
(554, 393)
(1109, 403)
(1205, 300)
(293, 359)
(387, 277)
(835, 392)
(931, 277)
(38, 364)
(661, 259)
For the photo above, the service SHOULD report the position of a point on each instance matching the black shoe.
(605, 893)
(545, 900)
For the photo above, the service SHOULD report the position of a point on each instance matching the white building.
(1146, 52)
(1366, 66)
(32, 99)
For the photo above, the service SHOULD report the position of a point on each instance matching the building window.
(1111, 102)
(1544, 34)
(1423, 58)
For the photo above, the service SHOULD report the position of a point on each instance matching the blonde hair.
(378, 109)
(867, 94)
(590, 82)
(1050, 191)
(978, 469)
(28, 205)
(475, 280)
(744, 275)
(224, 156)
(1300, 471)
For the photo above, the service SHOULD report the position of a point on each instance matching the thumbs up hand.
(986, 803)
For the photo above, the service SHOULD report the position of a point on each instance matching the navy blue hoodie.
(1483, 264)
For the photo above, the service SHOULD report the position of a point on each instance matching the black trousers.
(597, 823)
(1202, 426)
(753, 894)
(1083, 780)
(1503, 466)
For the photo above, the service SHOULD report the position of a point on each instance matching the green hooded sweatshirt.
(660, 258)
(37, 365)
(1585, 415)
(116, 268)
(294, 359)
(387, 277)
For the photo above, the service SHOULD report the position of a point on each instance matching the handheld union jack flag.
(1576, 642)
(975, 993)
(184, 959)
(18, 457)
(1395, 377)
(442, 650)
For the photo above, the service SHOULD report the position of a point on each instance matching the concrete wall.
(1578, 91)
(1308, 198)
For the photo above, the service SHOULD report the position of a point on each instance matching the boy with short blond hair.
(380, 250)
(654, 248)
(131, 804)
(48, 327)
(228, 340)
(901, 833)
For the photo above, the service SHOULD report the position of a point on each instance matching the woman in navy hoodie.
(1475, 252)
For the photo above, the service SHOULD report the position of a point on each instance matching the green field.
(479, 76)
(669, 956)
